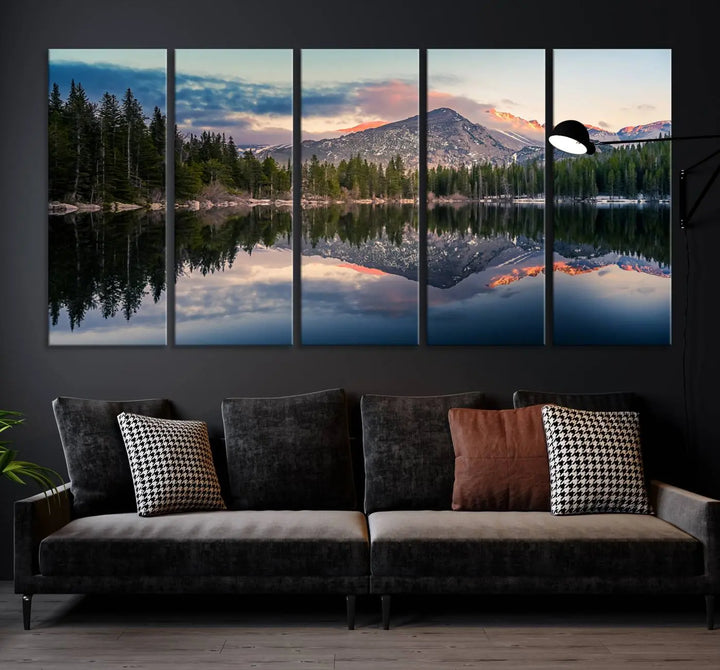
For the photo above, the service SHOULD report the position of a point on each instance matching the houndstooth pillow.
(171, 465)
(595, 462)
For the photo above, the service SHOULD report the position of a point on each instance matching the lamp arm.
(685, 218)
(660, 139)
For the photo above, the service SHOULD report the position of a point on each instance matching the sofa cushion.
(598, 402)
(97, 462)
(290, 452)
(409, 457)
(237, 543)
(507, 544)
(501, 460)
(171, 464)
(595, 461)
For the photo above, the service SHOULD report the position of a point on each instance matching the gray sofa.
(408, 541)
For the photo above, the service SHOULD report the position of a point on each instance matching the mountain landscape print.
(359, 149)
(485, 160)
(611, 253)
(233, 212)
(357, 191)
(106, 195)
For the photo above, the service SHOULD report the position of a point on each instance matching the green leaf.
(20, 471)
(14, 477)
(6, 458)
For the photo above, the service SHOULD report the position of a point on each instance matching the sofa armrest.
(697, 515)
(36, 518)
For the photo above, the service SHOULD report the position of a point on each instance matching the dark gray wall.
(31, 373)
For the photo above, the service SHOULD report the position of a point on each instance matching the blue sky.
(471, 81)
(612, 88)
(247, 93)
(112, 70)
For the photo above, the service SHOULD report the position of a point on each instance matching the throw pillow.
(595, 462)
(409, 458)
(97, 462)
(289, 452)
(171, 464)
(597, 402)
(501, 460)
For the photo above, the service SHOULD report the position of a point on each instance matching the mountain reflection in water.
(485, 274)
(612, 271)
(359, 275)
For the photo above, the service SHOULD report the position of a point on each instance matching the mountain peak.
(445, 112)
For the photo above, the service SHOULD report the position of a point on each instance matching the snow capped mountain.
(530, 132)
(645, 131)
(452, 140)
(601, 134)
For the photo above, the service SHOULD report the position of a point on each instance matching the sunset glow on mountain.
(362, 269)
(362, 126)
(517, 273)
(566, 268)
(515, 120)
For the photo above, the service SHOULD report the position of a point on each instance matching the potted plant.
(21, 471)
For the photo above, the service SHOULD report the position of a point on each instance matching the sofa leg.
(27, 605)
(350, 607)
(710, 611)
(385, 602)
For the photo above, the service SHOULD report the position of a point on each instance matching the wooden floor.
(174, 632)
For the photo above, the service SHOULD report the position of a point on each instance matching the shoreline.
(63, 208)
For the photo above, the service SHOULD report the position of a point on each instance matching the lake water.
(359, 272)
(359, 275)
(107, 278)
(486, 277)
(233, 277)
(612, 275)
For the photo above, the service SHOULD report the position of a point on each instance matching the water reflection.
(612, 274)
(359, 275)
(233, 274)
(107, 278)
(485, 274)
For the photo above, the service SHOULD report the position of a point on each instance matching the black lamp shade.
(572, 137)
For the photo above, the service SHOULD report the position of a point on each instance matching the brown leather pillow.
(501, 460)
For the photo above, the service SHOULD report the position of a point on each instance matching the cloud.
(646, 107)
(445, 78)
(388, 100)
(462, 105)
(603, 124)
(195, 92)
(257, 283)
(250, 112)
(327, 101)
(148, 86)
(348, 104)
(393, 98)
(507, 102)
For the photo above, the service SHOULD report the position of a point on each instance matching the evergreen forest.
(106, 151)
(626, 172)
(211, 159)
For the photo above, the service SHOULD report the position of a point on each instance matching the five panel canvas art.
(360, 190)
